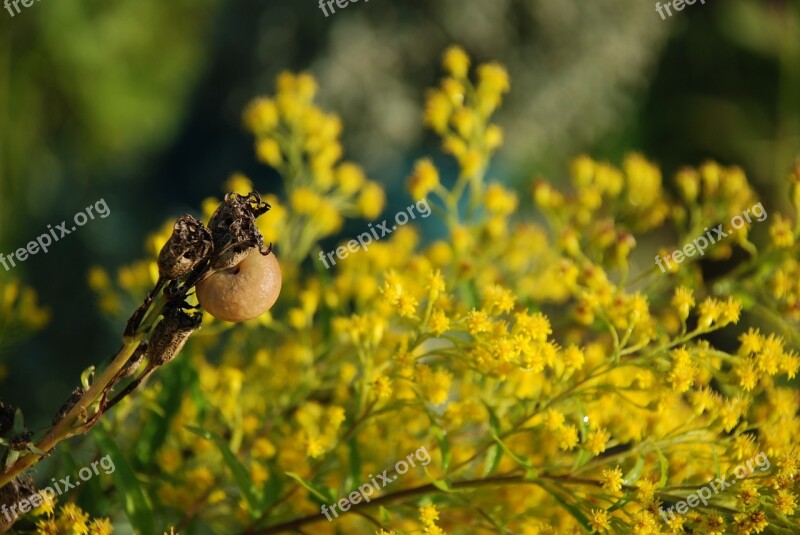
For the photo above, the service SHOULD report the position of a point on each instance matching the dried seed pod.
(133, 363)
(67, 406)
(189, 243)
(19, 488)
(233, 229)
(170, 335)
(243, 291)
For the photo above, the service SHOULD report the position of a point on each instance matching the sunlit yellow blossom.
(477, 321)
(456, 61)
(683, 301)
(269, 152)
(781, 231)
(499, 200)
(599, 521)
(683, 370)
(261, 116)
(370, 202)
(596, 441)
(423, 180)
(611, 479)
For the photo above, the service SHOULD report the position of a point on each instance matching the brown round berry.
(244, 291)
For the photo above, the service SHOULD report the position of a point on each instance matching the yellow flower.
(437, 111)
(596, 441)
(493, 137)
(261, 116)
(382, 388)
(439, 323)
(305, 200)
(683, 370)
(428, 514)
(101, 527)
(599, 521)
(269, 152)
(611, 479)
(683, 301)
(424, 179)
(477, 322)
(498, 299)
(72, 519)
(456, 62)
(781, 232)
(499, 200)
(371, 200)
(350, 177)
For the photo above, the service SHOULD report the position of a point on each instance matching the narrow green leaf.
(251, 495)
(137, 508)
(86, 377)
(521, 460)
(620, 503)
(572, 509)
(320, 492)
(635, 473)
(493, 457)
(273, 488)
(354, 475)
(664, 464)
(18, 427)
(494, 421)
(444, 446)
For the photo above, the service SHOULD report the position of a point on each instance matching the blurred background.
(139, 104)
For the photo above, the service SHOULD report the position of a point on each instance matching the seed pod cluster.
(170, 335)
(234, 231)
(189, 243)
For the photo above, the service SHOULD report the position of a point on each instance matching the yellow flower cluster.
(71, 520)
(559, 383)
(20, 313)
(301, 142)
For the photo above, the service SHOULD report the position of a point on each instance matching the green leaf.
(322, 493)
(86, 377)
(635, 473)
(251, 494)
(493, 457)
(272, 491)
(354, 475)
(444, 446)
(572, 509)
(18, 427)
(13, 455)
(494, 421)
(620, 503)
(441, 484)
(137, 508)
(531, 472)
(664, 464)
